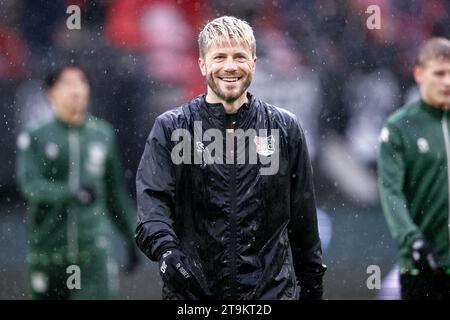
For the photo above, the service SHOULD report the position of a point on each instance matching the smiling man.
(228, 66)
(222, 229)
(414, 178)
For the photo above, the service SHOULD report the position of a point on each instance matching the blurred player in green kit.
(414, 178)
(69, 171)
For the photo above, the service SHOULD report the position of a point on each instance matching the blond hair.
(223, 30)
(434, 48)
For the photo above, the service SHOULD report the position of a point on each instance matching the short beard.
(227, 97)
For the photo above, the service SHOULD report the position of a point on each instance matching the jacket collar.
(430, 109)
(218, 110)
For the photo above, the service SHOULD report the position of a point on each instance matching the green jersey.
(54, 161)
(413, 169)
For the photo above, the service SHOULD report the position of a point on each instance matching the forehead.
(229, 46)
(72, 73)
(437, 63)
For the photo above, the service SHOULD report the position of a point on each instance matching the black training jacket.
(250, 236)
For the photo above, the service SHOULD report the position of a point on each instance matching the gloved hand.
(178, 274)
(423, 256)
(311, 283)
(86, 195)
(132, 258)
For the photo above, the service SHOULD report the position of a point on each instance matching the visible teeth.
(230, 79)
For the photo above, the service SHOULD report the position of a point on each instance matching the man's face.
(434, 81)
(228, 70)
(70, 95)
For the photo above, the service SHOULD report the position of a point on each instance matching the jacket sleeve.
(155, 188)
(303, 227)
(119, 202)
(34, 186)
(391, 177)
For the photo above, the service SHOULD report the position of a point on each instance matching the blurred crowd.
(317, 59)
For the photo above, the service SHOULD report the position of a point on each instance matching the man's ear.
(254, 64)
(418, 71)
(202, 66)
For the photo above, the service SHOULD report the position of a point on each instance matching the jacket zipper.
(74, 184)
(447, 151)
(233, 232)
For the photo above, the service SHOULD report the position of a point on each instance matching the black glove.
(311, 283)
(132, 258)
(423, 256)
(179, 275)
(86, 195)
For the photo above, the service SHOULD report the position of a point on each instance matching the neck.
(434, 104)
(230, 106)
(69, 121)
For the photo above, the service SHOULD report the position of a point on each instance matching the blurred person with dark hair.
(414, 177)
(68, 169)
(221, 229)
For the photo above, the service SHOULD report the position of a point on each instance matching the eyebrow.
(221, 53)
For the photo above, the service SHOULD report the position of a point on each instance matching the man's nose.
(230, 65)
(447, 79)
(78, 88)
(76, 92)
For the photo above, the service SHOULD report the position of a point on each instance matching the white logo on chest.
(51, 150)
(384, 135)
(265, 146)
(422, 145)
(96, 158)
(200, 146)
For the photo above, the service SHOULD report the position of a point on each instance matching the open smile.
(230, 79)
